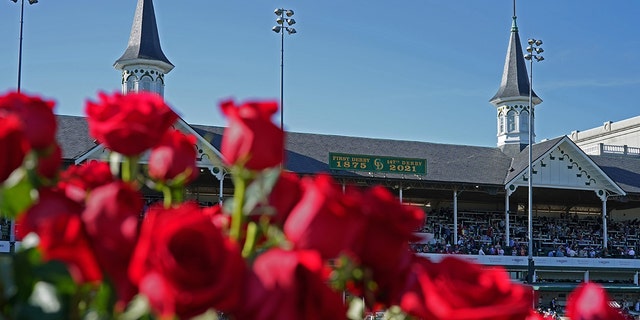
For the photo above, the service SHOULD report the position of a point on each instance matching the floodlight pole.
(12, 226)
(533, 53)
(283, 24)
(282, 80)
(20, 45)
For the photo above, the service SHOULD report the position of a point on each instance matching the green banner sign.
(359, 162)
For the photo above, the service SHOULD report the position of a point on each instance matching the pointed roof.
(144, 42)
(515, 80)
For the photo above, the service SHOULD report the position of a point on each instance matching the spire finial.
(514, 26)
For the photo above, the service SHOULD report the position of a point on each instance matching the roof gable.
(207, 154)
(560, 164)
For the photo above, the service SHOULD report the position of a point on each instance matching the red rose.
(251, 138)
(174, 156)
(78, 180)
(590, 301)
(456, 289)
(288, 285)
(49, 161)
(36, 116)
(129, 124)
(324, 219)
(184, 264)
(13, 145)
(389, 226)
(285, 195)
(111, 220)
(56, 220)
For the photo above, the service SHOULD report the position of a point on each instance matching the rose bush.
(284, 247)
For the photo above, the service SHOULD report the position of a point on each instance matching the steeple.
(143, 63)
(512, 98)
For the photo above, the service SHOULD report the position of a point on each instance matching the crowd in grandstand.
(567, 235)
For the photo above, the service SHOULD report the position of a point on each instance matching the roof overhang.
(163, 66)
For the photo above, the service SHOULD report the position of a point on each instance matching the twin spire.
(512, 98)
(143, 63)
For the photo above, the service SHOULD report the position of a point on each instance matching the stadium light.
(284, 23)
(20, 46)
(533, 53)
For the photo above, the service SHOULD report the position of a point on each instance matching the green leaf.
(138, 308)
(208, 315)
(16, 194)
(395, 313)
(24, 261)
(56, 273)
(100, 299)
(259, 189)
(46, 298)
(8, 286)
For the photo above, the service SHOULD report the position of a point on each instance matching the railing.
(559, 263)
(602, 149)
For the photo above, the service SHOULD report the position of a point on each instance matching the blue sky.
(420, 70)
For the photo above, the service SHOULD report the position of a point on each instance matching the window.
(524, 121)
(511, 121)
(501, 122)
(145, 84)
(160, 86)
(131, 84)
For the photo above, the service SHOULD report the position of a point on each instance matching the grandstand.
(586, 202)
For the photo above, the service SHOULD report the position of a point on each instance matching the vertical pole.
(531, 265)
(604, 223)
(221, 195)
(282, 76)
(12, 236)
(284, 150)
(20, 46)
(12, 227)
(506, 217)
(455, 217)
